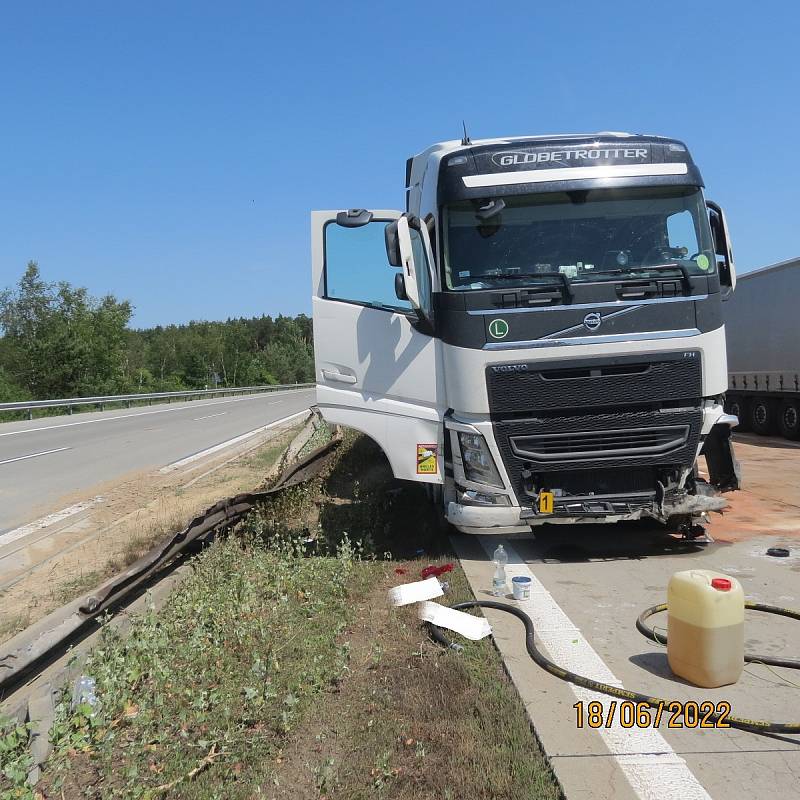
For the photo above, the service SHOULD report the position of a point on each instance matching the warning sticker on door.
(427, 461)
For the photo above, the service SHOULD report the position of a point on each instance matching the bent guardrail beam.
(69, 402)
(20, 653)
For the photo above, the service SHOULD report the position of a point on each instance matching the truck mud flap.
(723, 468)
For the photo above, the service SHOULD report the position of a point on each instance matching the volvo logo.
(592, 321)
(510, 368)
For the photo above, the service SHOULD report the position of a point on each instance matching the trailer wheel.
(789, 419)
(738, 407)
(762, 416)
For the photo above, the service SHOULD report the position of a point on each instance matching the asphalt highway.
(47, 459)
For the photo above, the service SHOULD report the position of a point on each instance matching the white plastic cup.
(521, 587)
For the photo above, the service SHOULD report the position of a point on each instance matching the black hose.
(755, 726)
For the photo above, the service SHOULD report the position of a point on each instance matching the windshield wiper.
(686, 280)
(511, 276)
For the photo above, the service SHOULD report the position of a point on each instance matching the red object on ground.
(400, 571)
(433, 571)
(723, 584)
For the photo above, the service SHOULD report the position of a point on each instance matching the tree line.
(56, 340)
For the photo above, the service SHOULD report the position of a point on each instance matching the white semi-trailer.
(764, 350)
(551, 348)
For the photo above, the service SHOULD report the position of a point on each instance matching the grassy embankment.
(278, 671)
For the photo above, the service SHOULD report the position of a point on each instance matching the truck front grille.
(626, 446)
(578, 445)
(589, 483)
(556, 386)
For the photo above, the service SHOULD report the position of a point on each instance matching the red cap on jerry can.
(723, 584)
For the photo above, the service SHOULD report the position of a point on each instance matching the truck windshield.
(588, 235)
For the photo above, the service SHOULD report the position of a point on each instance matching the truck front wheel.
(789, 419)
(762, 416)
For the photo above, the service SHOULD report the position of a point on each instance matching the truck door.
(377, 364)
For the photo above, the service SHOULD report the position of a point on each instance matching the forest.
(56, 340)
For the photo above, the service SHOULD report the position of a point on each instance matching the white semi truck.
(551, 348)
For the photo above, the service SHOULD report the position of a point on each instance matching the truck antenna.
(466, 140)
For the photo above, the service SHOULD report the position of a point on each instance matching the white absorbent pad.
(466, 624)
(416, 592)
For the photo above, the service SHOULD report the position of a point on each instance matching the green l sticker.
(498, 328)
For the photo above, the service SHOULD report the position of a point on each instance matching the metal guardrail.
(45, 646)
(70, 402)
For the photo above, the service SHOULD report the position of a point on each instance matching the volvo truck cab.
(550, 347)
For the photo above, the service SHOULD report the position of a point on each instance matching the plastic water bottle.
(500, 558)
(85, 693)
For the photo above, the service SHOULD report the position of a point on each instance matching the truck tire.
(762, 416)
(789, 419)
(738, 407)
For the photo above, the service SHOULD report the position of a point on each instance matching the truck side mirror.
(401, 254)
(392, 244)
(354, 218)
(722, 245)
(400, 286)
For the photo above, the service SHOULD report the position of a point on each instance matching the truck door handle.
(335, 375)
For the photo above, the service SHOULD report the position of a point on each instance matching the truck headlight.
(479, 465)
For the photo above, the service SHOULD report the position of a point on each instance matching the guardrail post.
(30, 413)
(69, 410)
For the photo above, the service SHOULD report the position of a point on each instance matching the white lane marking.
(653, 769)
(209, 416)
(222, 445)
(46, 522)
(139, 414)
(35, 455)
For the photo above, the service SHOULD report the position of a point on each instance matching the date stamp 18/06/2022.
(641, 715)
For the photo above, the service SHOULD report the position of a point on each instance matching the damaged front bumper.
(677, 497)
(486, 519)
(625, 509)
(517, 519)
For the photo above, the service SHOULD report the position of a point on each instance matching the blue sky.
(170, 152)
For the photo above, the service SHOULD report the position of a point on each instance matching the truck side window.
(356, 267)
